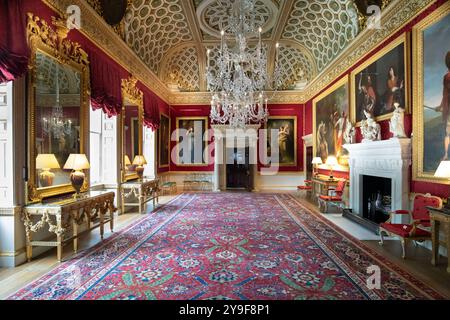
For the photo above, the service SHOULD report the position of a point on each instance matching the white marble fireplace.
(389, 159)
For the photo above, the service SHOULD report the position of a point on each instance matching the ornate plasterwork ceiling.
(171, 36)
(324, 27)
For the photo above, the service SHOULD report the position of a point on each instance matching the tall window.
(149, 152)
(96, 146)
(103, 149)
(6, 145)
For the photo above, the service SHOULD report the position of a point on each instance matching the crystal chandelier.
(57, 126)
(238, 88)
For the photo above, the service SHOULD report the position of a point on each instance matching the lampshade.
(332, 161)
(47, 161)
(139, 161)
(443, 170)
(317, 160)
(77, 162)
(127, 160)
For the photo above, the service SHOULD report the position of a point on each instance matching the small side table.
(144, 191)
(438, 218)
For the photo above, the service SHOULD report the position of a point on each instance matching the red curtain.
(14, 50)
(151, 108)
(106, 91)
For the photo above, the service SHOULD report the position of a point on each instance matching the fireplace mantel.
(386, 159)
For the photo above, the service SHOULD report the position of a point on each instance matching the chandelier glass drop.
(57, 125)
(239, 83)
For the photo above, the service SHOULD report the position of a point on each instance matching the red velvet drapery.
(14, 51)
(106, 91)
(151, 108)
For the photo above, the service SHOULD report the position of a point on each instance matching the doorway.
(239, 170)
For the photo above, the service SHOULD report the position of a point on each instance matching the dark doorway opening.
(239, 170)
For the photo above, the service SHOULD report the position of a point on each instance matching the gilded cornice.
(395, 16)
(100, 33)
(204, 98)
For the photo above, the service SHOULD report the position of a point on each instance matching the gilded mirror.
(131, 128)
(58, 105)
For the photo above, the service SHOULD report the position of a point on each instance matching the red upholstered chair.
(419, 221)
(334, 196)
(306, 188)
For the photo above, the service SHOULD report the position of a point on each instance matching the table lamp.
(317, 161)
(127, 162)
(443, 171)
(331, 162)
(46, 162)
(140, 162)
(77, 163)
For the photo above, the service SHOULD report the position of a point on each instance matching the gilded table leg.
(75, 235)
(29, 248)
(141, 200)
(111, 221)
(435, 240)
(59, 237)
(29, 237)
(102, 223)
(123, 201)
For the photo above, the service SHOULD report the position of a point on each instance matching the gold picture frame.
(43, 39)
(205, 151)
(160, 164)
(342, 82)
(289, 118)
(403, 39)
(419, 173)
(131, 96)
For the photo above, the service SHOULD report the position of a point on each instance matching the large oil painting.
(432, 94)
(192, 147)
(381, 82)
(286, 128)
(164, 141)
(330, 113)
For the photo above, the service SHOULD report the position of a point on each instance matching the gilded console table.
(144, 191)
(94, 209)
(438, 218)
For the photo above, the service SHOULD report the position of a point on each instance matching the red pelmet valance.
(106, 91)
(151, 108)
(14, 50)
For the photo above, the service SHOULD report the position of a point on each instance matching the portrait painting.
(286, 131)
(380, 84)
(191, 144)
(432, 95)
(331, 118)
(164, 141)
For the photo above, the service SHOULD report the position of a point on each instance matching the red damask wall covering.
(416, 186)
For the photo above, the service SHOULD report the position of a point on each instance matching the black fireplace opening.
(377, 199)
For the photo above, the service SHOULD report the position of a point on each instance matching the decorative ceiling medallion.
(214, 15)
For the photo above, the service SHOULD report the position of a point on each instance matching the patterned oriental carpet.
(228, 246)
